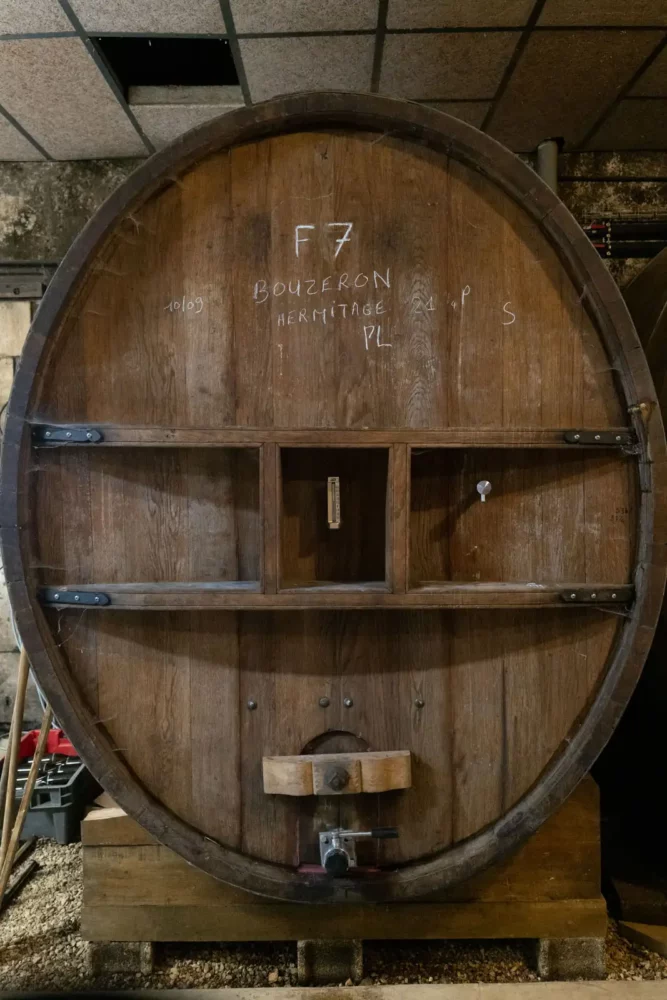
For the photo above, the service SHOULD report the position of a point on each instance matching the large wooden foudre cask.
(333, 439)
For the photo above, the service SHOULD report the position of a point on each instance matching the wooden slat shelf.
(243, 596)
(117, 435)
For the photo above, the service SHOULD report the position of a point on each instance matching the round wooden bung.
(333, 394)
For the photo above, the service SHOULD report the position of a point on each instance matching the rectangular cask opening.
(148, 515)
(333, 517)
(531, 515)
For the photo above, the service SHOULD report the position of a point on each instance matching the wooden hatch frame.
(603, 301)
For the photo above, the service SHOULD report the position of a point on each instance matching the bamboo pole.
(11, 757)
(25, 801)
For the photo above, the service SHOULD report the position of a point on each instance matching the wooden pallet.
(137, 890)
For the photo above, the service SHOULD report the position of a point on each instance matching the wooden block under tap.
(338, 773)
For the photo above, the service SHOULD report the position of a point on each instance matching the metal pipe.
(547, 163)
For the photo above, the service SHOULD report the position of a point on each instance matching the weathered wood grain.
(345, 280)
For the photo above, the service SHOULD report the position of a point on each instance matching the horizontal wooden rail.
(246, 596)
(337, 773)
(118, 435)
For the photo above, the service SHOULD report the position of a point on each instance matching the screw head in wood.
(324, 702)
(419, 702)
(252, 704)
(336, 778)
(348, 702)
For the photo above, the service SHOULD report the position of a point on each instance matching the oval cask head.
(367, 472)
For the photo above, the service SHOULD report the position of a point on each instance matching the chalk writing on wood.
(186, 305)
(299, 239)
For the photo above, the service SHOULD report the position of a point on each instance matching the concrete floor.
(505, 991)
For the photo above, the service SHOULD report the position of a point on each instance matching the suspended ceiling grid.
(591, 71)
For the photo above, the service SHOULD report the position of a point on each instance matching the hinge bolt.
(618, 437)
(56, 596)
(76, 597)
(47, 434)
(593, 596)
(97, 600)
(68, 434)
(597, 437)
(89, 435)
(577, 436)
(573, 596)
(613, 595)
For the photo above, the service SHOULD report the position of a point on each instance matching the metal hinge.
(74, 598)
(599, 595)
(617, 439)
(50, 434)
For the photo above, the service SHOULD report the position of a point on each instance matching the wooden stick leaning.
(11, 758)
(25, 801)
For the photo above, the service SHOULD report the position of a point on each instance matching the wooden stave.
(613, 323)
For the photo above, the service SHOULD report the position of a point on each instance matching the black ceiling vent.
(168, 62)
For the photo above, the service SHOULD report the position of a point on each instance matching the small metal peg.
(76, 597)
(252, 704)
(324, 702)
(348, 702)
(47, 434)
(483, 488)
(89, 435)
(68, 434)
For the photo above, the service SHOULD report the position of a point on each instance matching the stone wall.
(44, 205)
(14, 323)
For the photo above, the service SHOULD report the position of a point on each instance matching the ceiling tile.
(653, 82)
(161, 16)
(257, 16)
(13, 145)
(284, 65)
(563, 82)
(634, 124)
(472, 112)
(458, 13)
(437, 67)
(604, 12)
(56, 92)
(19, 17)
(164, 122)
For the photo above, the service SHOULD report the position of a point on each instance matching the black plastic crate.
(63, 789)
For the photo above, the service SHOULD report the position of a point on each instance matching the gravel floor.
(40, 948)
